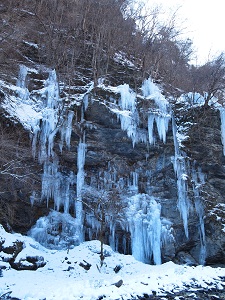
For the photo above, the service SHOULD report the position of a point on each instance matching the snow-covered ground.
(64, 275)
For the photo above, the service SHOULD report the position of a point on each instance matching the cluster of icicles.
(147, 229)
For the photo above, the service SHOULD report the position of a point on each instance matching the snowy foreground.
(65, 276)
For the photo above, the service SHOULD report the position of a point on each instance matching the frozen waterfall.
(145, 227)
(127, 98)
(128, 115)
(198, 179)
(222, 118)
(183, 203)
(22, 90)
(159, 114)
(57, 185)
(80, 180)
(141, 223)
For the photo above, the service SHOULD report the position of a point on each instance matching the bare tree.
(209, 79)
(106, 208)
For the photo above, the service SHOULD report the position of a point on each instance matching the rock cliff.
(142, 171)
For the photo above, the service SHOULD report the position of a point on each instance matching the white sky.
(205, 24)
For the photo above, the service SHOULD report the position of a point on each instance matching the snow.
(191, 99)
(63, 277)
(122, 59)
(148, 230)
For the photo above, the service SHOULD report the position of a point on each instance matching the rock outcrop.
(136, 172)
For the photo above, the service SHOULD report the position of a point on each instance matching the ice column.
(53, 120)
(222, 118)
(129, 125)
(66, 130)
(127, 98)
(198, 180)
(128, 114)
(52, 90)
(80, 182)
(145, 227)
(183, 203)
(56, 185)
(50, 118)
(23, 92)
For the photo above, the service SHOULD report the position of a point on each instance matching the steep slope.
(141, 173)
(92, 147)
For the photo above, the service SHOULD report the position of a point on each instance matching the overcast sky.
(205, 23)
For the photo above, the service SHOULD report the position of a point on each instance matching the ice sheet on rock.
(56, 231)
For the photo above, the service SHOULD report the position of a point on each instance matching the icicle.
(47, 134)
(50, 180)
(152, 92)
(21, 81)
(49, 125)
(127, 98)
(85, 101)
(56, 186)
(159, 114)
(151, 119)
(129, 125)
(52, 90)
(35, 131)
(222, 118)
(183, 203)
(80, 182)
(162, 123)
(145, 227)
(198, 180)
(133, 185)
(23, 92)
(135, 180)
(66, 130)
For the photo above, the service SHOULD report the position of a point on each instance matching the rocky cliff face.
(140, 171)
